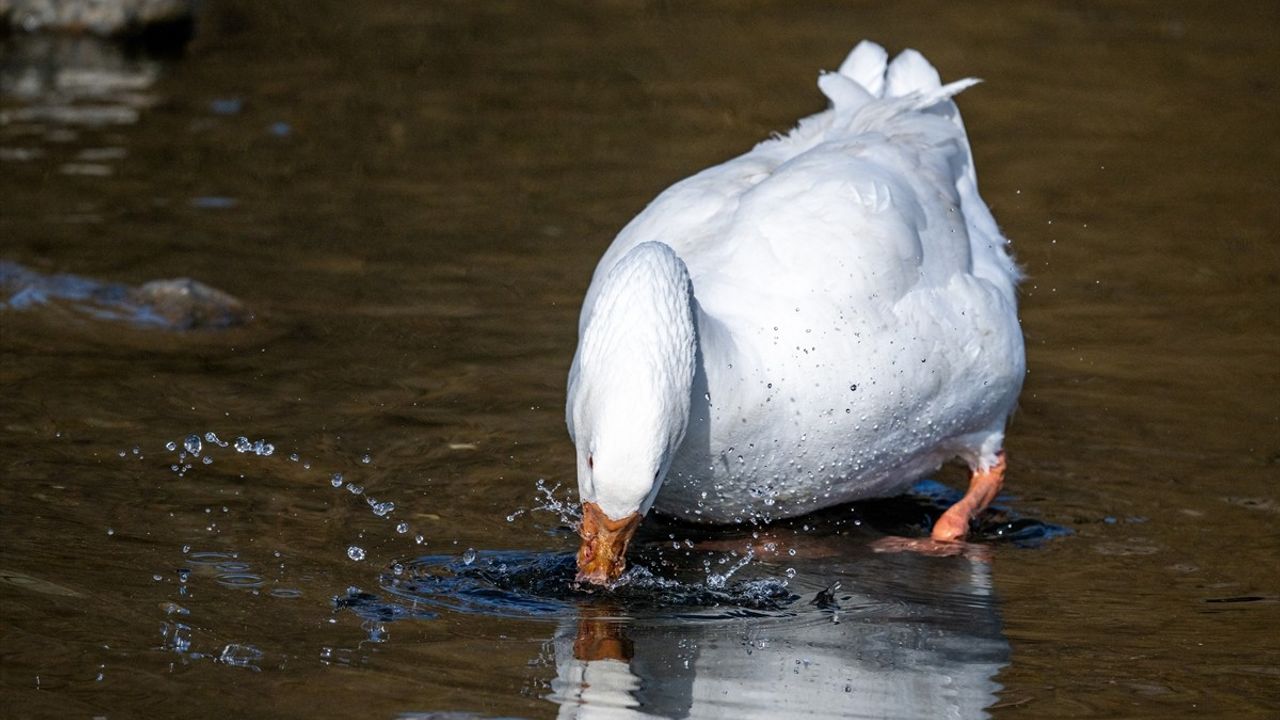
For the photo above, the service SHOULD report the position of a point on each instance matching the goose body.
(823, 319)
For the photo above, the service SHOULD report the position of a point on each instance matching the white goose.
(823, 319)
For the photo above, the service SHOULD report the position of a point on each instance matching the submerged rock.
(99, 17)
(177, 304)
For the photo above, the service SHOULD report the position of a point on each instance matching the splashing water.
(568, 510)
(717, 581)
(514, 584)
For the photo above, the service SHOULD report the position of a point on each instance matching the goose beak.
(602, 555)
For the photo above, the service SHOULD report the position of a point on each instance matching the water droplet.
(355, 552)
(381, 509)
(263, 448)
(192, 444)
(207, 460)
(469, 556)
(293, 457)
(243, 445)
(366, 458)
(419, 539)
(110, 531)
(240, 655)
(171, 446)
(402, 527)
(336, 480)
(791, 572)
(355, 489)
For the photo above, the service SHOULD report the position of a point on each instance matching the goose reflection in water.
(900, 636)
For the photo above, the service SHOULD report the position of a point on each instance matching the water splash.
(568, 510)
(514, 584)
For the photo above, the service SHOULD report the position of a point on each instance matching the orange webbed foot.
(984, 485)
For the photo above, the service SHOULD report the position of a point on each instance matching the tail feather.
(910, 72)
(843, 92)
(865, 65)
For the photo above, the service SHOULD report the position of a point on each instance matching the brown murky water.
(411, 199)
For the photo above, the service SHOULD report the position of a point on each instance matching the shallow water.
(409, 202)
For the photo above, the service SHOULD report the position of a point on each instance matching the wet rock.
(178, 304)
(99, 17)
(185, 304)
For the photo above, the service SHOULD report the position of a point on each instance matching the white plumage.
(847, 301)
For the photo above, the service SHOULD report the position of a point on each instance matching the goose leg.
(984, 485)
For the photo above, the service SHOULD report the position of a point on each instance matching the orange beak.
(602, 555)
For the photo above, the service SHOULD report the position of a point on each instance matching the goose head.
(629, 398)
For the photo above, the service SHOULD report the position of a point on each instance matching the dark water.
(408, 199)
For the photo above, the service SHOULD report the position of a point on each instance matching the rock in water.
(186, 304)
(179, 304)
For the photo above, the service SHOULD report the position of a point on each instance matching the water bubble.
(791, 572)
(211, 437)
(355, 552)
(207, 460)
(366, 458)
(469, 556)
(355, 489)
(110, 531)
(171, 446)
(336, 480)
(192, 444)
(381, 509)
(243, 445)
(402, 527)
(419, 539)
(293, 457)
(263, 448)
